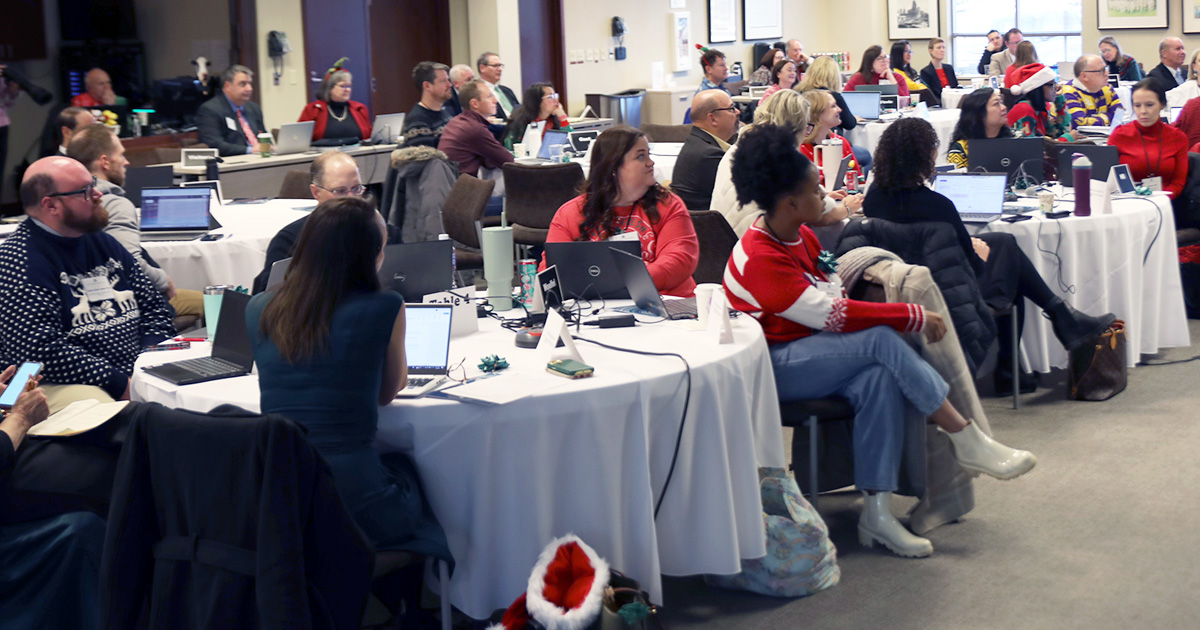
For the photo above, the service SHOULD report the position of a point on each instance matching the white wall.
(281, 103)
(177, 32)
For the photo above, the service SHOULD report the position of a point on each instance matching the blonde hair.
(818, 102)
(785, 107)
(822, 73)
(1192, 63)
(934, 42)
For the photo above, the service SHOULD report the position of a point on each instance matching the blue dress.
(335, 396)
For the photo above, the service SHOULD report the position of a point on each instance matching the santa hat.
(566, 589)
(1031, 76)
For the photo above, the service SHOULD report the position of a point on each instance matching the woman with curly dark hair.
(982, 114)
(621, 201)
(904, 164)
(780, 276)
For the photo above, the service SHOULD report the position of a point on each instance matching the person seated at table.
(466, 140)
(230, 122)
(1190, 89)
(904, 164)
(337, 117)
(981, 115)
(98, 91)
(1189, 123)
(824, 74)
(1088, 98)
(540, 104)
(1004, 58)
(423, 126)
(1026, 55)
(69, 121)
(1039, 111)
(1170, 71)
(1153, 149)
(995, 44)
(874, 70)
(762, 74)
(795, 52)
(901, 60)
(783, 77)
(459, 74)
(779, 275)
(938, 75)
(622, 201)
(1127, 68)
(714, 127)
(99, 150)
(824, 114)
(716, 71)
(329, 348)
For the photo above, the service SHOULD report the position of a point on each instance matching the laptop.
(1102, 157)
(865, 105)
(1118, 115)
(294, 137)
(211, 184)
(586, 269)
(426, 347)
(1020, 158)
(415, 270)
(1175, 112)
(232, 352)
(387, 128)
(644, 293)
(550, 138)
(175, 214)
(278, 271)
(581, 140)
(978, 197)
(886, 88)
(138, 178)
(840, 182)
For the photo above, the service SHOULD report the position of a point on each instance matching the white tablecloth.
(951, 96)
(589, 457)
(235, 259)
(943, 121)
(1102, 259)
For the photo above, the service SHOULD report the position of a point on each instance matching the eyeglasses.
(87, 191)
(553, 95)
(342, 191)
(345, 86)
(731, 108)
(808, 127)
(494, 65)
(1087, 71)
(461, 371)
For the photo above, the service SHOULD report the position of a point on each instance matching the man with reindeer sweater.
(71, 297)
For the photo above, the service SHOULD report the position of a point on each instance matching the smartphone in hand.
(18, 383)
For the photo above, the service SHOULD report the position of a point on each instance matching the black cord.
(682, 420)
(1062, 284)
(1195, 358)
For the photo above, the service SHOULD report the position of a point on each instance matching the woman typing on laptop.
(621, 201)
(330, 351)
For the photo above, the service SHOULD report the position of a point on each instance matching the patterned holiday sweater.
(46, 315)
(783, 286)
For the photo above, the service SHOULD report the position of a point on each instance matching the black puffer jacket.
(934, 245)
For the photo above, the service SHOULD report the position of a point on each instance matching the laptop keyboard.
(414, 383)
(680, 308)
(208, 366)
(977, 216)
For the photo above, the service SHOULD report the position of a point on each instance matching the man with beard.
(71, 298)
(98, 149)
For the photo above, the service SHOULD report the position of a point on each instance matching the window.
(1055, 28)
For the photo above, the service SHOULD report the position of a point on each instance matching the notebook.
(138, 178)
(426, 347)
(294, 137)
(644, 293)
(232, 352)
(387, 128)
(978, 197)
(586, 269)
(863, 104)
(174, 214)
(415, 270)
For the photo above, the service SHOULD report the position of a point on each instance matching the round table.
(951, 97)
(867, 135)
(589, 456)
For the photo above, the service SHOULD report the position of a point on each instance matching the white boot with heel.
(979, 453)
(878, 525)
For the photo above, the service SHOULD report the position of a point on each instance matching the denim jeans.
(877, 372)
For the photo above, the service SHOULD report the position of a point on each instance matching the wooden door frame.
(243, 38)
(559, 45)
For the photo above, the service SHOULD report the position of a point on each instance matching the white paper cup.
(1045, 201)
(519, 149)
(704, 293)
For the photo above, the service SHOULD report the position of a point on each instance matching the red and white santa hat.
(566, 589)
(1030, 76)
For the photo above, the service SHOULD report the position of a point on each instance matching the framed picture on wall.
(679, 26)
(762, 19)
(913, 19)
(1191, 16)
(1138, 13)
(722, 18)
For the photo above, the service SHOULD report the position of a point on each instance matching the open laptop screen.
(863, 104)
(427, 336)
(973, 193)
(175, 208)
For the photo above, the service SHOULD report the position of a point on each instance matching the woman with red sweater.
(875, 70)
(779, 275)
(335, 114)
(1152, 148)
(621, 201)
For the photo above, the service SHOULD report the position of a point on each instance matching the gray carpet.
(1104, 533)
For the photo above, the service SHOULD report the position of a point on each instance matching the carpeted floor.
(1104, 533)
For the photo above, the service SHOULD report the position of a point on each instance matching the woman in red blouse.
(622, 201)
(1152, 148)
(335, 114)
(779, 275)
(875, 71)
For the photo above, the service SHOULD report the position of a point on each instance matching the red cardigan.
(1159, 145)
(319, 112)
(857, 80)
(1189, 121)
(669, 247)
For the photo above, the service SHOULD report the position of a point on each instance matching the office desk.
(255, 176)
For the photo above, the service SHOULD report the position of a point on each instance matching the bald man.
(71, 297)
(99, 91)
(1089, 99)
(714, 123)
(1171, 70)
(795, 52)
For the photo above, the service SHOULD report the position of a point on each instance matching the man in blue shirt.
(230, 122)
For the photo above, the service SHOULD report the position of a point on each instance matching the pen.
(191, 339)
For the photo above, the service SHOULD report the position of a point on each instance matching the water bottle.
(1081, 170)
(453, 261)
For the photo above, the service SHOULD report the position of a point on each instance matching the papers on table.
(503, 388)
(77, 417)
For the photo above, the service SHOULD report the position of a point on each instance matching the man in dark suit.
(230, 122)
(490, 68)
(714, 121)
(1170, 71)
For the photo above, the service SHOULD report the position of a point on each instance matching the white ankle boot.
(979, 453)
(878, 525)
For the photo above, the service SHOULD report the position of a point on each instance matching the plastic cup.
(704, 293)
(212, 307)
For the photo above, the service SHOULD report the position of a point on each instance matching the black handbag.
(1098, 370)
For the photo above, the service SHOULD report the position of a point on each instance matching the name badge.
(625, 236)
(832, 288)
(229, 123)
(1153, 183)
(97, 289)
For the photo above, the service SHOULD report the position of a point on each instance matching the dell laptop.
(294, 137)
(865, 105)
(644, 293)
(426, 347)
(415, 270)
(1022, 159)
(175, 214)
(232, 352)
(1102, 157)
(586, 269)
(978, 197)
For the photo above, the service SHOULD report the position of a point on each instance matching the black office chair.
(810, 414)
(717, 240)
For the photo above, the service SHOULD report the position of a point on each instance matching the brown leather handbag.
(1098, 371)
